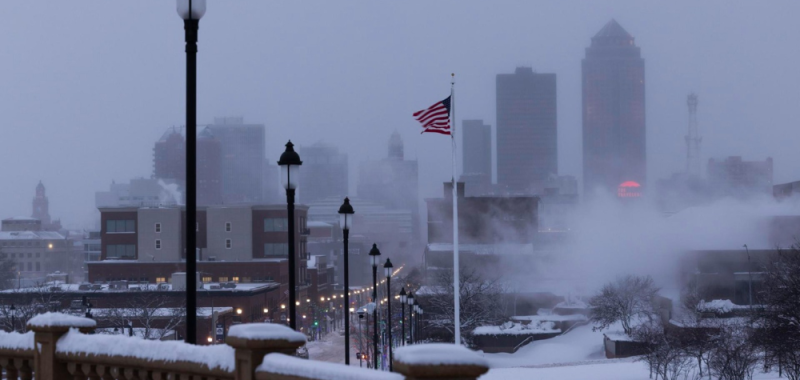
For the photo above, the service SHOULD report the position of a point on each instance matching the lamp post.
(374, 253)
(416, 321)
(290, 173)
(403, 300)
(419, 320)
(388, 269)
(13, 314)
(410, 301)
(191, 11)
(345, 221)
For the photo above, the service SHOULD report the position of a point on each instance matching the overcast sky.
(87, 87)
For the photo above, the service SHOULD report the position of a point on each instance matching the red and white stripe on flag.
(436, 118)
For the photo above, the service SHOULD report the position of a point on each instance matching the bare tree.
(29, 303)
(155, 314)
(7, 272)
(481, 302)
(625, 300)
(734, 355)
(779, 317)
(665, 355)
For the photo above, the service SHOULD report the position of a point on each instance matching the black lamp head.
(346, 208)
(289, 156)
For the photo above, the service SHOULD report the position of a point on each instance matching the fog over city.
(89, 86)
(623, 183)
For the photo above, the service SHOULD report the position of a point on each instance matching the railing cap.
(60, 322)
(439, 360)
(264, 336)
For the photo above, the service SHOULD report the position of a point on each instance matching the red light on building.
(629, 189)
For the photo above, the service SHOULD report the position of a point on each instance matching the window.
(236, 279)
(275, 224)
(160, 280)
(30, 267)
(158, 243)
(207, 279)
(38, 266)
(228, 243)
(223, 279)
(228, 227)
(245, 279)
(29, 255)
(120, 226)
(158, 227)
(121, 251)
(37, 254)
(276, 250)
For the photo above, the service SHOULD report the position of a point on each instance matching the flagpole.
(456, 288)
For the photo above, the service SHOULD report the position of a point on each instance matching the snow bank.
(438, 354)
(312, 369)
(266, 331)
(16, 341)
(58, 319)
(550, 317)
(218, 356)
(571, 304)
(510, 328)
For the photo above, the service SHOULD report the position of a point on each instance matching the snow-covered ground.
(581, 344)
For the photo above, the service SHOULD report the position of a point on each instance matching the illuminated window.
(236, 279)
(223, 279)
(228, 227)
(160, 280)
(228, 243)
(207, 279)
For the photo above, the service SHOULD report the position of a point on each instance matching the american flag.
(435, 118)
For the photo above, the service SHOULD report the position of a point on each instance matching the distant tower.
(693, 139)
(41, 207)
(396, 147)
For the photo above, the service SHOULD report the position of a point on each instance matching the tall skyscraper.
(527, 146)
(242, 159)
(209, 169)
(477, 156)
(614, 144)
(324, 173)
(169, 156)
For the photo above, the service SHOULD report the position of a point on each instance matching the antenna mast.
(693, 139)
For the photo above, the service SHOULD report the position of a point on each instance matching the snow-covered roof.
(30, 235)
(484, 249)
(312, 224)
(156, 313)
(312, 262)
(21, 218)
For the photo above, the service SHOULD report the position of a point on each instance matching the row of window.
(118, 226)
(270, 225)
(30, 267)
(18, 255)
(121, 251)
(23, 244)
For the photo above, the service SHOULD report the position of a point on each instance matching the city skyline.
(260, 80)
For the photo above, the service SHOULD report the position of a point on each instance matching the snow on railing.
(275, 365)
(16, 355)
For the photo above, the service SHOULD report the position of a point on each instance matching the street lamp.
(416, 321)
(374, 253)
(403, 300)
(191, 11)
(290, 172)
(388, 271)
(13, 314)
(419, 318)
(345, 221)
(410, 301)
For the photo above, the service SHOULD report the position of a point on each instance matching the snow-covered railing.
(16, 355)
(58, 348)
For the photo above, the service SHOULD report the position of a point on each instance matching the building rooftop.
(613, 29)
(484, 249)
(30, 235)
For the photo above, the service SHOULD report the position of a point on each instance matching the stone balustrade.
(60, 348)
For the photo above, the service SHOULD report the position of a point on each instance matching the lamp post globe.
(345, 221)
(374, 254)
(191, 11)
(290, 173)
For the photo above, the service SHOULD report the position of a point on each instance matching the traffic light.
(316, 323)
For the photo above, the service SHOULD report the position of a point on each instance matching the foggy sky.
(89, 86)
